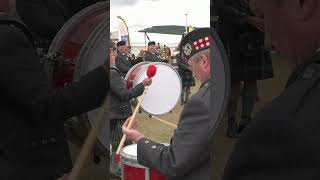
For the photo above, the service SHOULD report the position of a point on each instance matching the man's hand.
(147, 82)
(132, 133)
(256, 22)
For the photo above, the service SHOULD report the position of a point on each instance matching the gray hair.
(197, 55)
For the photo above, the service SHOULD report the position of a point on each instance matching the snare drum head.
(130, 152)
(84, 41)
(165, 90)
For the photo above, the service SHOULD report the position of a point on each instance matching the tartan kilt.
(187, 78)
(254, 67)
(116, 133)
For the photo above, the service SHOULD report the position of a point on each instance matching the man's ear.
(205, 60)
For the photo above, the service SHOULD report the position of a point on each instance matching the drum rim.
(122, 153)
(227, 86)
(59, 38)
(134, 67)
(81, 69)
(132, 161)
(74, 20)
(156, 63)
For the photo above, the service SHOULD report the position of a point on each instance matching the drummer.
(151, 54)
(123, 62)
(32, 142)
(120, 107)
(187, 157)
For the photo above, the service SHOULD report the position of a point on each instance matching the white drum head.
(130, 150)
(164, 92)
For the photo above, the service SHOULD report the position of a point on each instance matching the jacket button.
(154, 147)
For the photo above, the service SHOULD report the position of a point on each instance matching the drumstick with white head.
(151, 72)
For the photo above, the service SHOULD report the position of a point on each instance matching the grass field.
(221, 146)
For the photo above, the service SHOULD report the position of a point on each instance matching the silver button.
(146, 142)
(154, 147)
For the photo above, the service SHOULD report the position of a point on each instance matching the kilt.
(255, 67)
(116, 133)
(187, 78)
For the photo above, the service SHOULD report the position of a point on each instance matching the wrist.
(139, 138)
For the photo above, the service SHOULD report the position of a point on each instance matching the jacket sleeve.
(122, 64)
(188, 149)
(23, 81)
(118, 88)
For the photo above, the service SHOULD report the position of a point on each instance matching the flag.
(123, 31)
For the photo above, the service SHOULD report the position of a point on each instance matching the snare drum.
(165, 90)
(132, 170)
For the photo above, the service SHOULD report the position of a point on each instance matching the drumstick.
(90, 141)
(166, 122)
(124, 137)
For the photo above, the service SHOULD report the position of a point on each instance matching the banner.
(123, 31)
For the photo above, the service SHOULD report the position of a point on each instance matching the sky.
(140, 14)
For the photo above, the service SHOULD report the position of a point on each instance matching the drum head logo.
(187, 49)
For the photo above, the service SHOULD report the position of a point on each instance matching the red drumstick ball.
(152, 70)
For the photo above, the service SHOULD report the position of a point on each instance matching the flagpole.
(186, 23)
(145, 40)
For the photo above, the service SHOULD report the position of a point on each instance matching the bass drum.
(82, 45)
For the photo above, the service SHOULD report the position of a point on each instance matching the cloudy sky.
(140, 14)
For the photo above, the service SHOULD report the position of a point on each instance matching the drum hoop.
(79, 72)
(132, 163)
(134, 68)
(178, 75)
(74, 20)
(89, 44)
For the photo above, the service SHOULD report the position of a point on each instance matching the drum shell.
(132, 170)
